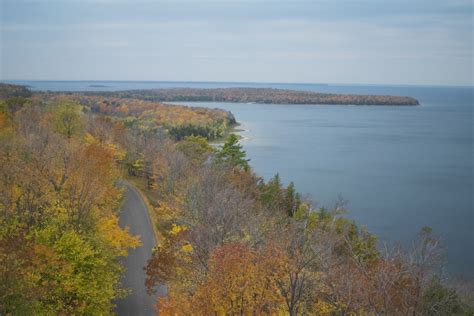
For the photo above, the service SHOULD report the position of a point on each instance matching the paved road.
(134, 215)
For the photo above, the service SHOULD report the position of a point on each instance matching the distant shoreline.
(98, 86)
(254, 95)
(237, 95)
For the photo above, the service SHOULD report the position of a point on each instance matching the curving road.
(134, 215)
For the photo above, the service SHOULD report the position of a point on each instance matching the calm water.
(400, 168)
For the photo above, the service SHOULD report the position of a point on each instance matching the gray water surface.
(399, 168)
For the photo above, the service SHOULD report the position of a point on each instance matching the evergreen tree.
(231, 153)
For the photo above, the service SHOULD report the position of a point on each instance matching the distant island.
(256, 95)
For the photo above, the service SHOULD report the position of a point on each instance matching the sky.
(422, 42)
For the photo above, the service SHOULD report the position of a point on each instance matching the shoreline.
(254, 96)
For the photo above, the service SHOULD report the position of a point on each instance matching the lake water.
(399, 168)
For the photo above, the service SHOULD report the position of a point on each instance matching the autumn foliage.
(178, 121)
(59, 235)
(258, 95)
(230, 243)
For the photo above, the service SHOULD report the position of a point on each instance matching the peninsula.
(257, 95)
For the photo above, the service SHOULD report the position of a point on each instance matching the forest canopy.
(178, 121)
(229, 242)
(258, 95)
(59, 201)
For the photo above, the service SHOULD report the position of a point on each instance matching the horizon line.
(248, 82)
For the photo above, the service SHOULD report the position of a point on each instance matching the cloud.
(254, 40)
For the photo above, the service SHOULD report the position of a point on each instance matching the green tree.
(271, 196)
(231, 153)
(12, 105)
(293, 199)
(195, 148)
(440, 300)
(67, 118)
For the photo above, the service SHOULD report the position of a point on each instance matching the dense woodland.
(59, 200)
(228, 242)
(176, 120)
(258, 95)
(11, 91)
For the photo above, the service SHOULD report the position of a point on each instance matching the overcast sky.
(319, 41)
